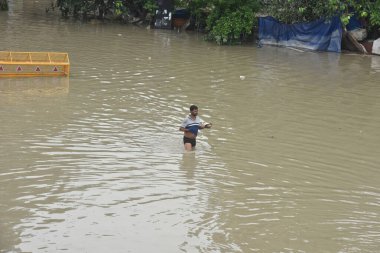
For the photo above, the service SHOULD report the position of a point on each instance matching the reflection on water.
(97, 165)
(13, 88)
(189, 164)
(375, 64)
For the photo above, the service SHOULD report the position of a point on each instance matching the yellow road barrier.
(13, 64)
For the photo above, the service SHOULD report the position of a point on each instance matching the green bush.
(230, 21)
(293, 11)
(232, 26)
(100, 8)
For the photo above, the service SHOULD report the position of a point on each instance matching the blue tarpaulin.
(320, 35)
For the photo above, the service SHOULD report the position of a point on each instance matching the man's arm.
(183, 129)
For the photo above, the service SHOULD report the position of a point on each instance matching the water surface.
(95, 163)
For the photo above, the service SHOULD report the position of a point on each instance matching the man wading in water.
(190, 126)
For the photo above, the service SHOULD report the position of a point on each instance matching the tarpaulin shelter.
(320, 35)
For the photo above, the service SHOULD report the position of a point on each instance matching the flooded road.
(95, 162)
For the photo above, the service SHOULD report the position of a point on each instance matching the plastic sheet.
(320, 35)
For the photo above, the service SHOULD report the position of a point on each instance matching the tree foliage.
(84, 8)
(226, 21)
(103, 8)
(293, 11)
(229, 21)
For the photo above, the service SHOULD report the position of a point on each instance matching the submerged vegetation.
(115, 9)
(226, 21)
(3, 5)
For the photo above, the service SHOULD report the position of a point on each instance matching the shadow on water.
(16, 89)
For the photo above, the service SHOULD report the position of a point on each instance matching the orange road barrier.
(14, 64)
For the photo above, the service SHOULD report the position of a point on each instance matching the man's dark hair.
(193, 107)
